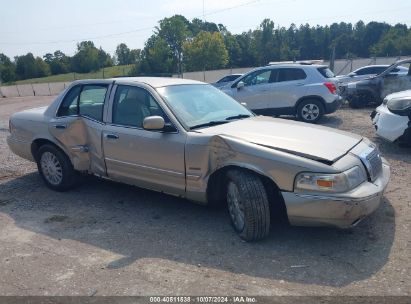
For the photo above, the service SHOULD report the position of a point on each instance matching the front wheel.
(310, 111)
(55, 168)
(248, 205)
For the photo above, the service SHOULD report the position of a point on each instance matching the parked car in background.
(304, 90)
(392, 118)
(373, 90)
(226, 80)
(191, 140)
(367, 71)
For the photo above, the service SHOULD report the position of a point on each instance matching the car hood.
(307, 140)
(399, 95)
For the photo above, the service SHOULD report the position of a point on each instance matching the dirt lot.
(105, 238)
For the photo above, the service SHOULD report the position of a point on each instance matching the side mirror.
(240, 85)
(153, 123)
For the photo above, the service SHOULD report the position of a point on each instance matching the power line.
(121, 33)
(80, 25)
(203, 16)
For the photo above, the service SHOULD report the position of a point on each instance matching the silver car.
(225, 80)
(189, 139)
(304, 90)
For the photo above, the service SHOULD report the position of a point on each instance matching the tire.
(55, 168)
(310, 111)
(248, 205)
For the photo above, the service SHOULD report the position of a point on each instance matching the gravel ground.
(105, 238)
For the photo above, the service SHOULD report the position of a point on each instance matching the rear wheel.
(55, 168)
(248, 205)
(310, 111)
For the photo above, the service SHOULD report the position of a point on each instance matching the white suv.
(304, 90)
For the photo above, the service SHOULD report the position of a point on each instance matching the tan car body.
(184, 162)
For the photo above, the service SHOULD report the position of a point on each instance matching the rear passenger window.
(91, 101)
(69, 105)
(291, 74)
(86, 100)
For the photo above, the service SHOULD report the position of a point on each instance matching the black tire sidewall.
(306, 102)
(238, 177)
(67, 169)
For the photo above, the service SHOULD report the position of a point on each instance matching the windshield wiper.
(209, 124)
(238, 116)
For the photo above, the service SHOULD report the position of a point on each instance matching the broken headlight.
(336, 183)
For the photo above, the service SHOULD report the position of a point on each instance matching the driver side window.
(258, 77)
(133, 104)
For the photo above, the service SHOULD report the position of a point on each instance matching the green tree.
(7, 69)
(135, 56)
(58, 62)
(206, 51)
(86, 59)
(197, 25)
(174, 31)
(157, 58)
(123, 54)
(104, 59)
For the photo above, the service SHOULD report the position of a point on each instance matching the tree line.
(178, 45)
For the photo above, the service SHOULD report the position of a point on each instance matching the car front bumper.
(343, 210)
(388, 125)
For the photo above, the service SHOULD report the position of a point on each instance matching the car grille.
(372, 161)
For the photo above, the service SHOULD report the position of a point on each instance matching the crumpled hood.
(308, 140)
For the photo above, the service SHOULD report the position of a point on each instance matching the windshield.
(392, 69)
(202, 104)
(326, 72)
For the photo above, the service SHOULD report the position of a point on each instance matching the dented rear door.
(78, 125)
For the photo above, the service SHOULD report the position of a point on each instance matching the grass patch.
(114, 71)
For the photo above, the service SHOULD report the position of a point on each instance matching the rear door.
(288, 87)
(78, 125)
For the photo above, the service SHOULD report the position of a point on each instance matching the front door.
(256, 91)
(150, 159)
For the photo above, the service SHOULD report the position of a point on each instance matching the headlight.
(320, 182)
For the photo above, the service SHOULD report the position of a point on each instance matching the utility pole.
(332, 60)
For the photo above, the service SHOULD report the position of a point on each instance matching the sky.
(43, 26)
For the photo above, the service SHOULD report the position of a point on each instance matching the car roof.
(157, 82)
(293, 65)
(374, 66)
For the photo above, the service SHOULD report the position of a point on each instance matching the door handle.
(112, 136)
(300, 84)
(60, 126)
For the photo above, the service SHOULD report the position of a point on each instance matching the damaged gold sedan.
(188, 139)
